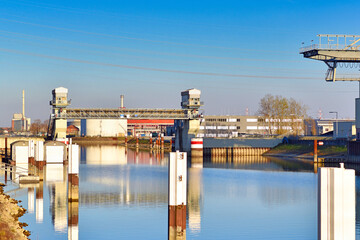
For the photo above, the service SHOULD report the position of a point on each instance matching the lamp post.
(336, 121)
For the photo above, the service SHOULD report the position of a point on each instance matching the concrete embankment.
(10, 227)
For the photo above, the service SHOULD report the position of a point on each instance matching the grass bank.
(307, 150)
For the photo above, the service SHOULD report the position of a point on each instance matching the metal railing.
(329, 47)
(127, 113)
(343, 77)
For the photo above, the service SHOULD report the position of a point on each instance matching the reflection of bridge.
(91, 198)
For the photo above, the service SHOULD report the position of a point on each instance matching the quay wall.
(235, 151)
(241, 143)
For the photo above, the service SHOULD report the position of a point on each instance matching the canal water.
(123, 195)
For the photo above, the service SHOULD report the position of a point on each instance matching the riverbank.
(305, 151)
(10, 226)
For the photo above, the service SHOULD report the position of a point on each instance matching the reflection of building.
(56, 180)
(105, 155)
(194, 199)
(236, 125)
(147, 126)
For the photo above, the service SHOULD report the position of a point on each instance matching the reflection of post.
(137, 142)
(6, 150)
(39, 203)
(162, 141)
(125, 140)
(317, 166)
(150, 140)
(73, 221)
(315, 151)
(194, 198)
(177, 196)
(336, 203)
(73, 173)
(5, 174)
(31, 197)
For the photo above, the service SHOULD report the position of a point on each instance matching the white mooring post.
(39, 159)
(39, 151)
(31, 152)
(336, 203)
(177, 195)
(73, 173)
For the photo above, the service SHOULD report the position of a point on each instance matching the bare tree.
(266, 109)
(35, 127)
(38, 127)
(282, 114)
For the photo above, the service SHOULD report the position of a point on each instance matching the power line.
(148, 68)
(129, 38)
(151, 52)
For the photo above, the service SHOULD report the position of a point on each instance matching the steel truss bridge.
(136, 113)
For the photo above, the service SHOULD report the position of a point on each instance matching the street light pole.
(336, 122)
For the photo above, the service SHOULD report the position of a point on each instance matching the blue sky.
(92, 47)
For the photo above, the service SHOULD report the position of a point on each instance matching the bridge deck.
(136, 113)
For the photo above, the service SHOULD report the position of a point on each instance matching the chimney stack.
(23, 106)
(121, 101)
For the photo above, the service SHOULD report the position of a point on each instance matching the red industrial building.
(147, 126)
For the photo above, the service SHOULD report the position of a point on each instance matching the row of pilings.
(234, 151)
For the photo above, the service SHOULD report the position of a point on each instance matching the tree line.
(38, 127)
(282, 115)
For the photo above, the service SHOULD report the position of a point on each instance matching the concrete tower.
(59, 103)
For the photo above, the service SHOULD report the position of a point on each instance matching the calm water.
(123, 195)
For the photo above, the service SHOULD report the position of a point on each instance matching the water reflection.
(259, 163)
(195, 197)
(118, 155)
(57, 187)
(122, 191)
